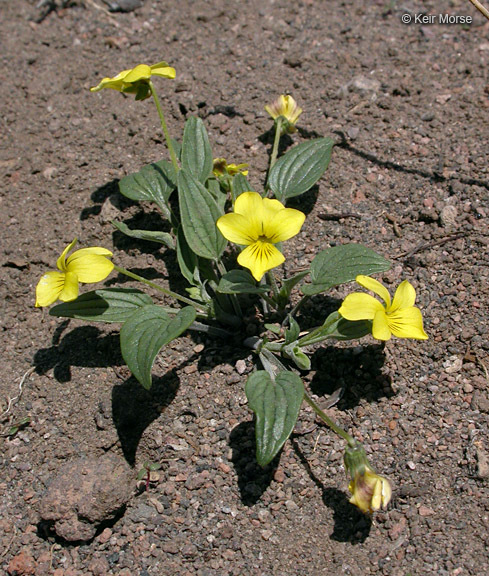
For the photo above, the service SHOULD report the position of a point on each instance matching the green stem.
(299, 304)
(351, 441)
(196, 305)
(276, 141)
(165, 128)
(234, 297)
(273, 283)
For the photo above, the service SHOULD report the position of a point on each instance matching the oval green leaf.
(276, 404)
(341, 264)
(199, 213)
(146, 332)
(149, 235)
(300, 168)
(153, 183)
(240, 282)
(196, 150)
(336, 327)
(107, 305)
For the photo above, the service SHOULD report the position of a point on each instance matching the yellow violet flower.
(221, 168)
(136, 80)
(260, 223)
(399, 317)
(370, 491)
(86, 265)
(286, 107)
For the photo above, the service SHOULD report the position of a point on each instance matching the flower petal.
(250, 205)
(90, 264)
(236, 228)
(407, 323)
(115, 83)
(138, 73)
(405, 297)
(374, 286)
(260, 257)
(285, 224)
(380, 326)
(70, 288)
(61, 261)
(163, 70)
(49, 288)
(360, 306)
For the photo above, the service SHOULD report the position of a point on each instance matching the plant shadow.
(350, 524)
(253, 480)
(83, 346)
(134, 408)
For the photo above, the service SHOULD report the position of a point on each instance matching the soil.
(408, 106)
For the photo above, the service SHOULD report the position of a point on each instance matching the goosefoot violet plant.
(207, 203)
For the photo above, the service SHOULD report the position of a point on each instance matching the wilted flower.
(399, 317)
(370, 491)
(221, 168)
(86, 265)
(260, 223)
(136, 80)
(286, 108)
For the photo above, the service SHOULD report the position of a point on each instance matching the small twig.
(10, 543)
(338, 215)
(480, 7)
(426, 245)
(14, 399)
(395, 224)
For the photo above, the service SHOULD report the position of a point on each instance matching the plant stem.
(196, 305)
(276, 141)
(165, 128)
(273, 283)
(351, 441)
(234, 297)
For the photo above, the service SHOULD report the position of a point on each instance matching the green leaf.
(153, 183)
(276, 405)
(341, 264)
(336, 327)
(219, 196)
(149, 235)
(187, 260)
(292, 333)
(294, 352)
(300, 168)
(199, 213)
(240, 185)
(106, 305)
(196, 150)
(146, 332)
(287, 287)
(240, 282)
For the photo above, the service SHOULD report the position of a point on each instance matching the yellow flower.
(259, 223)
(221, 168)
(399, 317)
(86, 265)
(370, 491)
(136, 80)
(286, 107)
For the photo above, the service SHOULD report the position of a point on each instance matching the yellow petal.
(70, 288)
(374, 286)
(90, 266)
(115, 83)
(236, 228)
(140, 72)
(61, 261)
(285, 224)
(163, 70)
(380, 326)
(260, 257)
(407, 323)
(250, 205)
(405, 297)
(360, 306)
(49, 288)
